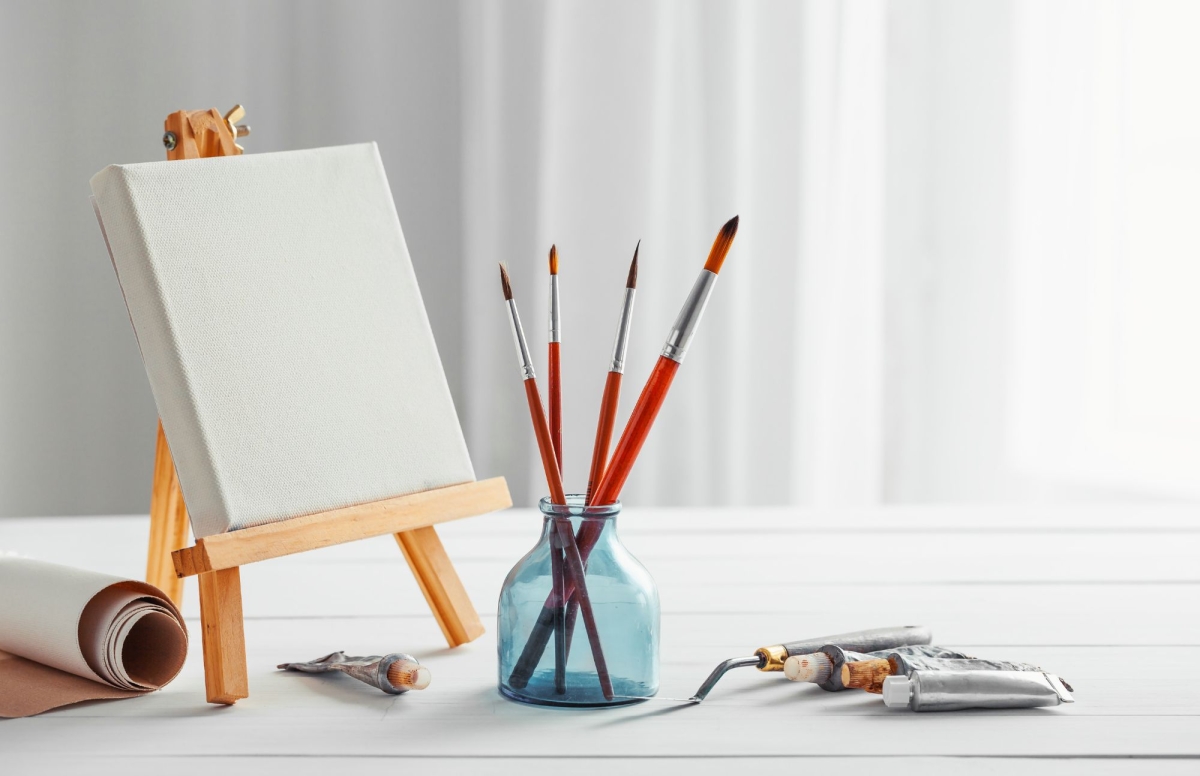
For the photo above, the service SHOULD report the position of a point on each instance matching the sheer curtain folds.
(595, 125)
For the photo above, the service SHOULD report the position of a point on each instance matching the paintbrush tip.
(721, 245)
(631, 281)
(553, 260)
(504, 284)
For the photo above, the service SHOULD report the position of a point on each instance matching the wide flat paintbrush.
(554, 363)
(637, 429)
(566, 537)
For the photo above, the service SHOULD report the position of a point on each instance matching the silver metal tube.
(519, 341)
(621, 343)
(555, 321)
(689, 317)
(954, 690)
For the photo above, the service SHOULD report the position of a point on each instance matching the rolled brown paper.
(69, 635)
(866, 675)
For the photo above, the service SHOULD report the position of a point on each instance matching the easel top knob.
(204, 133)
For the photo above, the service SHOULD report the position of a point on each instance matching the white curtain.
(595, 125)
(922, 185)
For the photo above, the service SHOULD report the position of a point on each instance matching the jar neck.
(600, 527)
(597, 521)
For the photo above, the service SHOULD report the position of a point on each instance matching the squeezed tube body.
(955, 690)
(903, 665)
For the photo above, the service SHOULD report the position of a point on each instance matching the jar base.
(583, 691)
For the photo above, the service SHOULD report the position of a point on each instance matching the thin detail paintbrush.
(638, 426)
(609, 403)
(554, 364)
(566, 537)
(612, 385)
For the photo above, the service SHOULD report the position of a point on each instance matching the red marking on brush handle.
(604, 430)
(542, 432)
(641, 420)
(554, 374)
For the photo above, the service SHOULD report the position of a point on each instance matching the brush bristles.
(721, 245)
(631, 281)
(553, 260)
(505, 284)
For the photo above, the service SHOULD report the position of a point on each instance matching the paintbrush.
(609, 403)
(636, 429)
(612, 385)
(553, 363)
(566, 537)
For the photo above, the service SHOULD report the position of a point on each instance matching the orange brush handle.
(542, 432)
(636, 430)
(554, 373)
(604, 429)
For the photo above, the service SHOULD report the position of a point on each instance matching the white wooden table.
(1106, 597)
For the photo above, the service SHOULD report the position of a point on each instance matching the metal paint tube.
(372, 670)
(903, 665)
(955, 690)
(824, 667)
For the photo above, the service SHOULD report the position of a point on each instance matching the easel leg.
(224, 642)
(168, 523)
(440, 583)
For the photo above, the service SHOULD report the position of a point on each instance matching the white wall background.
(880, 330)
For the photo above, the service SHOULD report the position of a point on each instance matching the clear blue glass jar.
(545, 646)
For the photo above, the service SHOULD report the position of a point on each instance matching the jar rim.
(576, 507)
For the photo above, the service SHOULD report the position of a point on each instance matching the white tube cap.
(815, 667)
(897, 691)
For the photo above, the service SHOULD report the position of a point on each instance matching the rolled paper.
(69, 635)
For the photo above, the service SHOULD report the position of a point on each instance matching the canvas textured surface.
(283, 332)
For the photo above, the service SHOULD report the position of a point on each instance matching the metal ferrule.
(555, 321)
(771, 658)
(689, 317)
(621, 344)
(519, 340)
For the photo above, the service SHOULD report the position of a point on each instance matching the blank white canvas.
(283, 332)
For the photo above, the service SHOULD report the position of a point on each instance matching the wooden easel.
(216, 559)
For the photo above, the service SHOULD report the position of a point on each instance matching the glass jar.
(547, 647)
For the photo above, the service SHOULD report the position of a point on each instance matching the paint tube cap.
(897, 691)
(815, 667)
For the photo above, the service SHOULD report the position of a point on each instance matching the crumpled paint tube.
(394, 674)
(925, 690)
(824, 667)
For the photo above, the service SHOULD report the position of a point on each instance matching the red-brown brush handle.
(542, 432)
(572, 553)
(554, 374)
(604, 429)
(636, 430)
